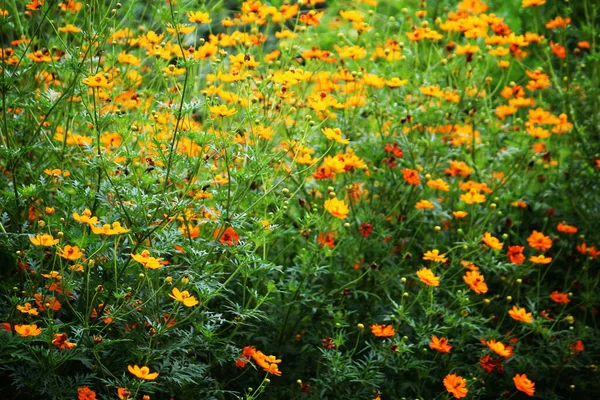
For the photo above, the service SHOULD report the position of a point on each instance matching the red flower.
(365, 229)
(515, 254)
(228, 236)
(86, 393)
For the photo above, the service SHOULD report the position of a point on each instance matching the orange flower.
(106, 229)
(326, 239)
(459, 214)
(492, 242)
(520, 314)
(411, 176)
(558, 50)
(86, 217)
(228, 237)
(564, 228)
(499, 348)
(28, 330)
(523, 384)
(440, 344)
(427, 277)
(476, 282)
(577, 346)
(473, 196)
(438, 184)
(46, 302)
(199, 17)
(456, 385)
(562, 298)
(423, 204)
(60, 340)
(515, 254)
(434, 255)
(70, 252)
(337, 208)
(532, 3)
(147, 261)
(382, 330)
(27, 309)
(268, 363)
(85, 393)
(142, 373)
(541, 259)
(539, 241)
(43, 240)
(97, 81)
(123, 393)
(335, 135)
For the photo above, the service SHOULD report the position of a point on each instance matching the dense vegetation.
(352, 199)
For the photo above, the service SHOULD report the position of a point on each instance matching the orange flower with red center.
(228, 236)
(61, 340)
(476, 282)
(28, 330)
(456, 385)
(70, 252)
(440, 344)
(411, 176)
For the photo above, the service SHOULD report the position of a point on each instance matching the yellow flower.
(199, 17)
(70, 28)
(71, 253)
(427, 277)
(434, 255)
(423, 204)
(28, 330)
(520, 314)
(86, 217)
(147, 261)
(43, 240)
(142, 373)
(97, 81)
(185, 297)
(27, 309)
(106, 229)
(222, 111)
(472, 196)
(335, 134)
(459, 214)
(439, 184)
(53, 275)
(337, 208)
(492, 242)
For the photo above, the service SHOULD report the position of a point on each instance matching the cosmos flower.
(456, 385)
(142, 373)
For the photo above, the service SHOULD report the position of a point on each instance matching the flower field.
(299, 199)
